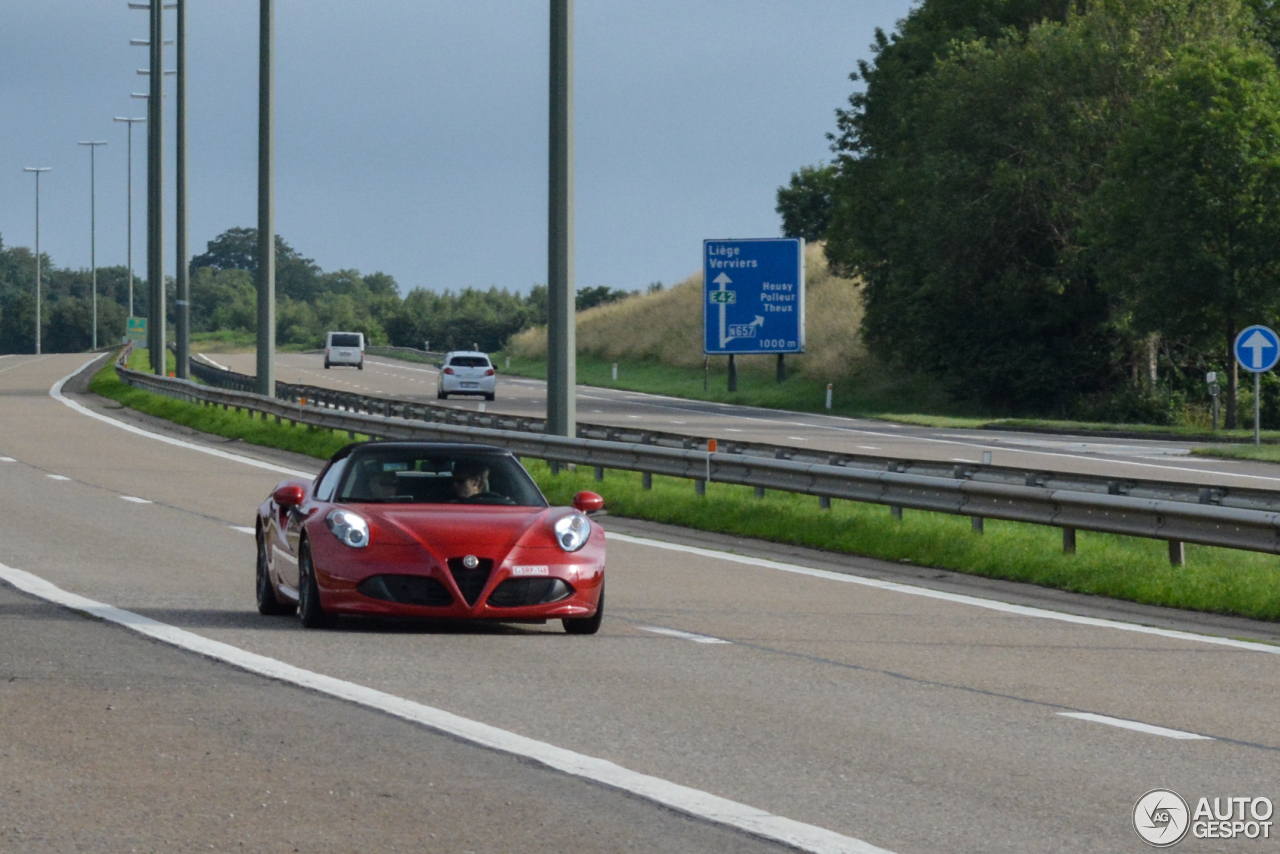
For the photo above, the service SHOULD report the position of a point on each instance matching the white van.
(344, 348)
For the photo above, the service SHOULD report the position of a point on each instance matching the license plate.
(470, 385)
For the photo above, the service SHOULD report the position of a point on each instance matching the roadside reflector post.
(828, 395)
(555, 467)
(896, 512)
(824, 502)
(711, 449)
(700, 486)
(1177, 553)
(975, 522)
(599, 472)
(759, 492)
(646, 480)
(615, 372)
(1069, 541)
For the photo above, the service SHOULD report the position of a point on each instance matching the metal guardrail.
(1178, 513)
(1183, 492)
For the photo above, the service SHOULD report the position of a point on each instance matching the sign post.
(754, 298)
(1257, 350)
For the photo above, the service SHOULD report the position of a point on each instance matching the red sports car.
(417, 529)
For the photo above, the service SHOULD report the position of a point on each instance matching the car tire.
(441, 396)
(488, 397)
(586, 625)
(309, 610)
(361, 365)
(326, 364)
(268, 604)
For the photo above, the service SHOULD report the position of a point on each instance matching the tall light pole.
(182, 260)
(130, 123)
(561, 329)
(93, 231)
(155, 184)
(37, 170)
(266, 204)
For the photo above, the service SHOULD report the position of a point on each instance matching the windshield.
(344, 339)
(434, 476)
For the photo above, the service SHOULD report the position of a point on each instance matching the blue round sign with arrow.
(1257, 349)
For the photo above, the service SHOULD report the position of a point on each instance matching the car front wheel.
(586, 625)
(309, 610)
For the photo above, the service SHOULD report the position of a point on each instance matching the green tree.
(965, 179)
(805, 204)
(1187, 223)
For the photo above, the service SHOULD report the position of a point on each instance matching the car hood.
(451, 531)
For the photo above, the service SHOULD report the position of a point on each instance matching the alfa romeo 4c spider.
(414, 529)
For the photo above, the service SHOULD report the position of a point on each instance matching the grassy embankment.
(1214, 580)
(656, 341)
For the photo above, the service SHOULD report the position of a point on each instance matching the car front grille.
(406, 589)
(521, 592)
(470, 582)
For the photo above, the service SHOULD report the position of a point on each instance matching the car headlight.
(348, 527)
(572, 531)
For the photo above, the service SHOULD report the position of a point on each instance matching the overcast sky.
(412, 135)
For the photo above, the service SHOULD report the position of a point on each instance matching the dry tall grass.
(666, 327)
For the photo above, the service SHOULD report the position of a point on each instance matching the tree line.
(309, 302)
(1053, 203)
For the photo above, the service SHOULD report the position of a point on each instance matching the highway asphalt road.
(1123, 458)
(810, 698)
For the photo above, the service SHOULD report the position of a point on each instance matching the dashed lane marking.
(136, 500)
(57, 477)
(1136, 726)
(676, 633)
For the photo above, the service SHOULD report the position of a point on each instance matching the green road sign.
(136, 331)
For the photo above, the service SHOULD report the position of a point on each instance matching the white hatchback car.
(466, 372)
(344, 348)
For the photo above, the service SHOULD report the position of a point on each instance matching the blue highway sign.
(754, 299)
(1257, 349)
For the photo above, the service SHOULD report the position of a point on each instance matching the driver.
(470, 479)
(383, 485)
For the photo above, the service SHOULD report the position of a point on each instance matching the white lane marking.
(1139, 727)
(212, 362)
(678, 422)
(958, 598)
(732, 430)
(703, 805)
(797, 438)
(242, 529)
(136, 500)
(867, 448)
(959, 460)
(7, 460)
(56, 394)
(56, 477)
(676, 633)
(21, 365)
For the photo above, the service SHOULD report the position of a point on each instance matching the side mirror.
(288, 495)
(588, 502)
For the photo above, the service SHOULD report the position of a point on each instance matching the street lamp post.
(561, 347)
(93, 231)
(37, 170)
(130, 123)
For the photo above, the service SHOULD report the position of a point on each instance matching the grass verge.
(1214, 580)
